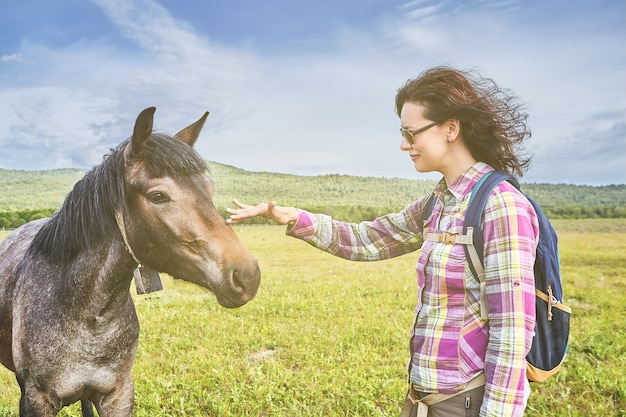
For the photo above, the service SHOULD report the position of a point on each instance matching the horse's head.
(170, 220)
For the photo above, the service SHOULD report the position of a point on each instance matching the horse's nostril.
(238, 283)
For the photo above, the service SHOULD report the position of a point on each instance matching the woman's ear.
(454, 129)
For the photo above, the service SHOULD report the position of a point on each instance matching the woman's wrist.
(293, 215)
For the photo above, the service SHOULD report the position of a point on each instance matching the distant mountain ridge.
(20, 190)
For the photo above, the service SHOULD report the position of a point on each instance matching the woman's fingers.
(271, 210)
(245, 211)
(239, 204)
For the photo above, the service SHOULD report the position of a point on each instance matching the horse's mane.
(87, 215)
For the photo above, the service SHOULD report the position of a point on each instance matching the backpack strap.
(429, 205)
(474, 213)
(472, 237)
(449, 238)
(472, 226)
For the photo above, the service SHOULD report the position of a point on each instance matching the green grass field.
(328, 337)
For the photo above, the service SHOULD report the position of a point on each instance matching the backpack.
(550, 341)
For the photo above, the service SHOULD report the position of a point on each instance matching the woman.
(461, 126)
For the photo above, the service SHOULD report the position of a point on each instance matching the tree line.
(27, 195)
(357, 214)
(14, 219)
(354, 214)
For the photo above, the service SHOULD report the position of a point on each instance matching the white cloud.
(81, 100)
(12, 58)
(308, 113)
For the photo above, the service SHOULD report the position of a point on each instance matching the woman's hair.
(493, 121)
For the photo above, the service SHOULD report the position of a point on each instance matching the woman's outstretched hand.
(281, 215)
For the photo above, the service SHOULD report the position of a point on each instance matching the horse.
(68, 325)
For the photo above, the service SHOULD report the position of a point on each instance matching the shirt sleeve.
(385, 237)
(510, 234)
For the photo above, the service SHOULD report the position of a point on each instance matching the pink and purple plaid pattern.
(450, 343)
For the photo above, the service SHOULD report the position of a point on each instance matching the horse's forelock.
(165, 155)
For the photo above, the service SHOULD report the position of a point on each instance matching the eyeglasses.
(408, 135)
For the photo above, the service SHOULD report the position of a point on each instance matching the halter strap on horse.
(147, 280)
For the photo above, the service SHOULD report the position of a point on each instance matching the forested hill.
(335, 194)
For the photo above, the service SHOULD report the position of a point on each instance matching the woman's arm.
(511, 232)
(385, 237)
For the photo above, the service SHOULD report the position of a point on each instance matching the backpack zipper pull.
(552, 301)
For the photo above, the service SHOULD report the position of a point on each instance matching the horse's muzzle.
(240, 286)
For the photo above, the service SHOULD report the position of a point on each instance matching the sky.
(305, 87)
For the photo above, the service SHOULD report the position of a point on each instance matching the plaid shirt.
(450, 344)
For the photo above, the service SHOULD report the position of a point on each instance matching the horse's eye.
(158, 197)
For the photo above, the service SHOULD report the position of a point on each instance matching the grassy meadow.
(329, 337)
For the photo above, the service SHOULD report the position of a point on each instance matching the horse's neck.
(106, 277)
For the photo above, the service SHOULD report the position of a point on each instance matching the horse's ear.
(191, 132)
(143, 129)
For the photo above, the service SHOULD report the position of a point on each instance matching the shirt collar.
(464, 184)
